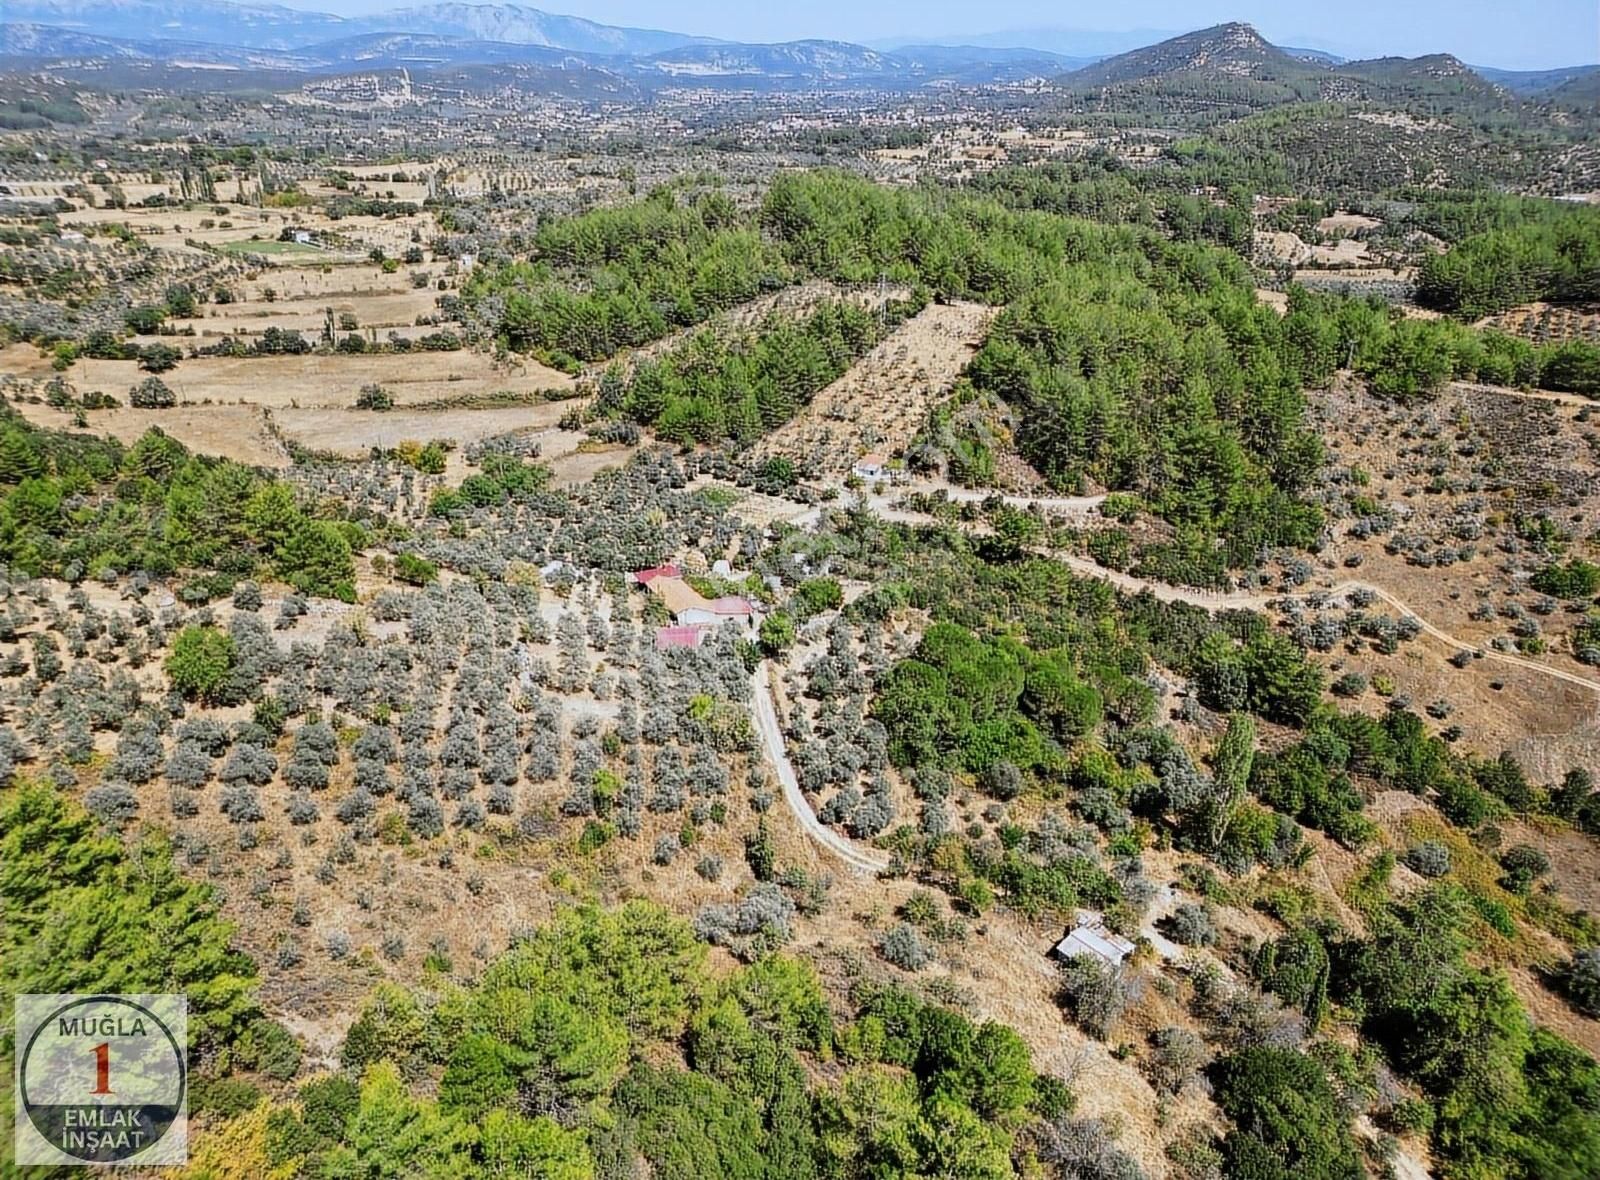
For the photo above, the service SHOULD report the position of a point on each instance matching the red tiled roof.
(645, 577)
(667, 637)
(732, 604)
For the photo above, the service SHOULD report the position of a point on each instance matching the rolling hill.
(1230, 50)
(1232, 69)
(1580, 91)
(1437, 75)
(1217, 73)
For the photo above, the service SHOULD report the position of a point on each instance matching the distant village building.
(1091, 937)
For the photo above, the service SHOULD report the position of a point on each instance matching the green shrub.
(200, 663)
(417, 571)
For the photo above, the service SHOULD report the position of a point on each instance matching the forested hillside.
(619, 278)
(1029, 682)
(78, 506)
(1101, 317)
(1508, 252)
(604, 1038)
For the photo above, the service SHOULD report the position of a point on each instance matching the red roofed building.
(671, 637)
(690, 608)
(732, 607)
(645, 577)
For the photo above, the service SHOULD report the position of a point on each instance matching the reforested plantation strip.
(713, 387)
(841, 227)
(1190, 399)
(1107, 190)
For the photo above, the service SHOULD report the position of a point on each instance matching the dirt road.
(885, 505)
(1215, 600)
(858, 857)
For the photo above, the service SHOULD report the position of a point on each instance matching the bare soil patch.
(332, 381)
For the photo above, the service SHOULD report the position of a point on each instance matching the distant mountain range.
(211, 33)
(272, 26)
(1086, 45)
(1532, 82)
(157, 36)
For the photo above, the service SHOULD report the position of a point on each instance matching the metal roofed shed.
(1091, 937)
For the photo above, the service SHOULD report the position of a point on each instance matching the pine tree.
(1230, 765)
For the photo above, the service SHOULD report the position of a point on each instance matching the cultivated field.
(878, 405)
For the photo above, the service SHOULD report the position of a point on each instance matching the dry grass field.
(462, 395)
(239, 432)
(383, 310)
(353, 433)
(324, 286)
(332, 381)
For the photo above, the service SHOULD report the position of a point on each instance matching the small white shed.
(871, 468)
(1091, 937)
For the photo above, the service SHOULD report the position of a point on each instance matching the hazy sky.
(1513, 34)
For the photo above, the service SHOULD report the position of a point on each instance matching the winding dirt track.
(1213, 600)
(858, 857)
(865, 860)
(1488, 653)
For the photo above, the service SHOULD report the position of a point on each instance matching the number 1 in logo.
(102, 1068)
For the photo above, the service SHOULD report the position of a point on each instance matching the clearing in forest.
(878, 405)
